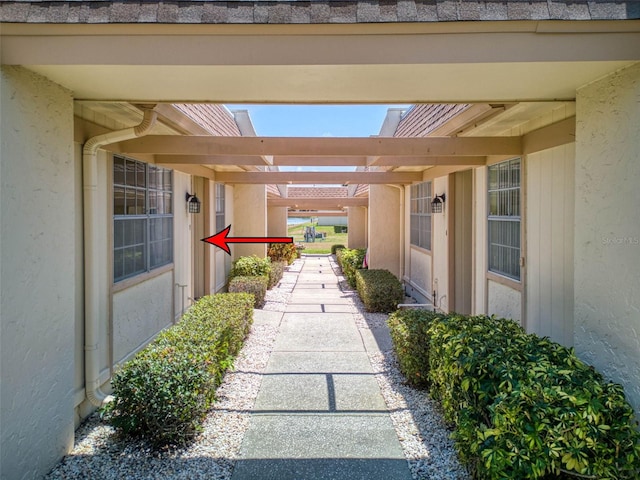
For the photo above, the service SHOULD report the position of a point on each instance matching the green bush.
(286, 252)
(254, 285)
(379, 290)
(340, 229)
(409, 334)
(252, 266)
(164, 392)
(526, 407)
(351, 260)
(277, 270)
(335, 248)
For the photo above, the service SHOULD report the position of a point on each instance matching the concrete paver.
(319, 413)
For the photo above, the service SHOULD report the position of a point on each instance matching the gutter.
(91, 228)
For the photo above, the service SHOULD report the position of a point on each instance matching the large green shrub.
(254, 285)
(351, 259)
(164, 392)
(340, 229)
(335, 248)
(277, 270)
(526, 407)
(286, 252)
(252, 266)
(409, 334)
(379, 290)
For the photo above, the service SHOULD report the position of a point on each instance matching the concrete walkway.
(319, 413)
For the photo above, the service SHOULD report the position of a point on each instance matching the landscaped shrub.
(340, 229)
(526, 407)
(379, 290)
(335, 248)
(252, 266)
(409, 334)
(351, 259)
(277, 270)
(163, 393)
(282, 252)
(255, 285)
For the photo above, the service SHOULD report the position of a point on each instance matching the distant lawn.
(297, 232)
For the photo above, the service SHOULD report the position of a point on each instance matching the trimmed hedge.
(252, 266)
(409, 331)
(254, 285)
(164, 392)
(379, 290)
(335, 248)
(350, 260)
(340, 229)
(277, 270)
(524, 406)
(286, 252)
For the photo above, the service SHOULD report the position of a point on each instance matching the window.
(220, 223)
(142, 217)
(420, 217)
(504, 219)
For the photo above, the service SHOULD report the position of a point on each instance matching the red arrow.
(220, 239)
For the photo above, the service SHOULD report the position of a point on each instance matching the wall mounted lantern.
(193, 203)
(437, 203)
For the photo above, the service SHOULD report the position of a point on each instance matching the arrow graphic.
(221, 239)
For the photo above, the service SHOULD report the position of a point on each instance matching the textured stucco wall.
(277, 221)
(139, 313)
(182, 251)
(37, 273)
(419, 275)
(357, 227)
(384, 228)
(249, 219)
(607, 232)
(504, 301)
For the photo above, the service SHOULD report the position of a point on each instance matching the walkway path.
(319, 413)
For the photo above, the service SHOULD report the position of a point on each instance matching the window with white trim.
(420, 215)
(142, 217)
(220, 207)
(504, 218)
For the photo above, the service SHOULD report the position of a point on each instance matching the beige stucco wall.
(38, 273)
(503, 301)
(607, 232)
(384, 228)
(139, 313)
(277, 221)
(182, 251)
(418, 275)
(550, 218)
(479, 254)
(249, 219)
(357, 227)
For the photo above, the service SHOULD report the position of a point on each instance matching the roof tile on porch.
(214, 118)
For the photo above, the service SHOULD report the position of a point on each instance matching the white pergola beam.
(343, 178)
(323, 203)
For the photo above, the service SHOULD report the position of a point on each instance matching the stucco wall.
(384, 228)
(357, 227)
(37, 272)
(249, 219)
(503, 301)
(418, 275)
(277, 221)
(550, 215)
(139, 313)
(182, 251)
(607, 232)
(479, 294)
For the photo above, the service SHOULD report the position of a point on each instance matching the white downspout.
(91, 227)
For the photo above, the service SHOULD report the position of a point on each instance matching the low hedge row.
(379, 290)
(164, 392)
(522, 406)
(351, 260)
(277, 271)
(335, 248)
(256, 286)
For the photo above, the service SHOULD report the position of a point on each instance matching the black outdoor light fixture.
(193, 203)
(437, 203)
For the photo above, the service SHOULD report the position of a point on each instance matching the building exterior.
(104, 132)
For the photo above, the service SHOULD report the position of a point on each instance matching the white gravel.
(99, 453)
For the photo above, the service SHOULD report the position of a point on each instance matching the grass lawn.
(319, 246)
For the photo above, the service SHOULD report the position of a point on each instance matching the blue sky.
(316, 120)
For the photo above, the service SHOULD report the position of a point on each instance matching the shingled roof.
(216, 119)
(312, 12)
(421, 120)
(317, 192)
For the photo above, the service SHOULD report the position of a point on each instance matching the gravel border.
(100, 453)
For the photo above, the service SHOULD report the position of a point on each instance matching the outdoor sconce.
(437, 203)
(193, 203)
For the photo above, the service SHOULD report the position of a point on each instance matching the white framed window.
(504, 218)
(420, 215)
(142, 217)
(220, 207)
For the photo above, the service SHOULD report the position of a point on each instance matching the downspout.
(91, 227)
